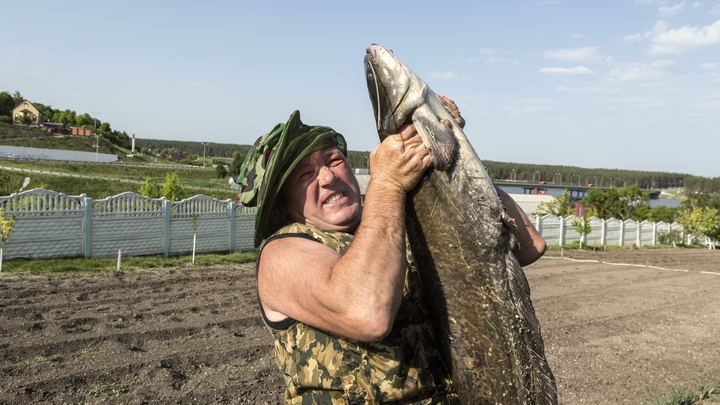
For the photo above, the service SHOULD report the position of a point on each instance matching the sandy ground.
(613, 333)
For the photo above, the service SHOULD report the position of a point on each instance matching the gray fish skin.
(477, 293)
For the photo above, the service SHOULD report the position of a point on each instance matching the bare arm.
(531, 245)
(356, 295)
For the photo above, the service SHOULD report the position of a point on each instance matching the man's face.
(322, 191)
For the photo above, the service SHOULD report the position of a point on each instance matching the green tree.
(616, 203)
(561, 207)
(582, 225)
(150, 189)
(84, 120)
(25, 119)
(9, 184)
(238, 159)
(220, 171)
(6, 103)
(701, 221)
(6, 228)
(172, 190)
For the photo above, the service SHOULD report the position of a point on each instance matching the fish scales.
(477, 293)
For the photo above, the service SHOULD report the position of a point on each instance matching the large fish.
(477, 293)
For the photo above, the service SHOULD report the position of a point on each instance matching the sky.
(611, 84)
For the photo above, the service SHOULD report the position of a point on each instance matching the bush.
(671, 237)
(5, 119)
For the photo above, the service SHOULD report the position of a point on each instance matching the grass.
(689, 396)
(109, 266)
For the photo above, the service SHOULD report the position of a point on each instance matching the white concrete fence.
(53, 225)
(611, 232)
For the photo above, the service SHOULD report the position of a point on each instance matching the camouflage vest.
(323, 368)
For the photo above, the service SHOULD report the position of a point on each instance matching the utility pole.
(204, 144)
(97, 137)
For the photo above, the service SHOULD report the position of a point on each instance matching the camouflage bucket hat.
(271, 160)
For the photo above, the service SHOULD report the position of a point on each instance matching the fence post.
(638, 233)
(87, 225)
(562, 230)
(622, 233)
(231, 222)
(166, 226)
(603, 234)
(654, 234)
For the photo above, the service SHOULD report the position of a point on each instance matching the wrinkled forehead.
(318, 157)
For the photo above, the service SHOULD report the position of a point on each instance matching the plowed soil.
(613, 333)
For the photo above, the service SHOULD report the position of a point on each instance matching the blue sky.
(613, 84)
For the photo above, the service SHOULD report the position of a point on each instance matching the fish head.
(399, 97)
(395, 91)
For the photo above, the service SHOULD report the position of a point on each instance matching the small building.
(80, 131)
(25, 108)
(530, 202)
(176, 156)
(54, 127)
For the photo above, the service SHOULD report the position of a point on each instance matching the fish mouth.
(389, 116)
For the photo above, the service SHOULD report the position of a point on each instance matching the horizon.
(632, 84)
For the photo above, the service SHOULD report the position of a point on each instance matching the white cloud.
(487, 51)
(587, 54)
(632, 38)
(578, 36)
(679, 40)
(578, 70)
(711, 65)
(656, 73)
(493, 60)
(697, 4)
(665, 11)
(587, 90)
(446, 75)
(715, 10)
(646, 1)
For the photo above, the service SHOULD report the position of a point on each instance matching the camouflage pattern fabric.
(324, 368)
(271, 159)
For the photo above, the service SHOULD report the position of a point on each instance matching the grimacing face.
(322, 192)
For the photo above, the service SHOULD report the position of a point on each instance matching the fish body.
(476, 292)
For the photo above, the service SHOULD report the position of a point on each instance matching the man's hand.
(400, 160)
(453, 110)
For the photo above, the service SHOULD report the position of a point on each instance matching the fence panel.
(630, 234)
(47, 225)
(647, 233)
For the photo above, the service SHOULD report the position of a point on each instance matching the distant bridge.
(576, 192)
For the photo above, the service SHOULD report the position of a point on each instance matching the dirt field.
(613, 334)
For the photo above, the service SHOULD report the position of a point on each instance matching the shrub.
(671, 237)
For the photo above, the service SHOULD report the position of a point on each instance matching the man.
(334, 283)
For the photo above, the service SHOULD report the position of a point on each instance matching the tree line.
(68, 118)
